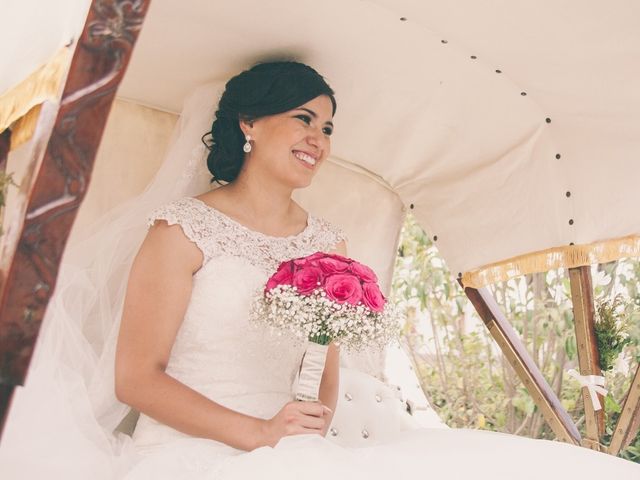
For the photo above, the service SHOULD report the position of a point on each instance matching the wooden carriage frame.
(65, 143)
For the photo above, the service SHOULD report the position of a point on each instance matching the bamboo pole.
(588, 355)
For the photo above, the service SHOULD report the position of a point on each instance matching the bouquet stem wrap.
(311, 370)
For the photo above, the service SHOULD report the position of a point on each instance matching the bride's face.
(291, 146)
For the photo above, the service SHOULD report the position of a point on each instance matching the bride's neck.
(261, 199)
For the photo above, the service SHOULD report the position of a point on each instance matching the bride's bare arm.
(157, 296)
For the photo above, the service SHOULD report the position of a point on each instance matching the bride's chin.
(300, 181)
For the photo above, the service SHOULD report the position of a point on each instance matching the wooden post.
(517, 355)
(629, 421)
(98, 65)
(588, 355)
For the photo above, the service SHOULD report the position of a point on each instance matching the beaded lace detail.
(215, 234)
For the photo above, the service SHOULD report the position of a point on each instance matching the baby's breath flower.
(353, 327)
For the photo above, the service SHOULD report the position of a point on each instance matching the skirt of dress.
(422, 453)
(47, 437)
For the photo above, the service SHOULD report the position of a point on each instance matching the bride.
(214, 391)
(184, 337)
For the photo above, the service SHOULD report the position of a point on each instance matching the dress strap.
(191, 215)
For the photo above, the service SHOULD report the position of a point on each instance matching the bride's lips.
(308, 159)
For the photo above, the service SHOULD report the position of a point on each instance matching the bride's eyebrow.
(314, 115)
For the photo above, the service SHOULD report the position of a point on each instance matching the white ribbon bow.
(594, 385)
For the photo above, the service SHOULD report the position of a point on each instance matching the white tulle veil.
(70, 386)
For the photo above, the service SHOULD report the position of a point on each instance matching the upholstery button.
(365, 434)
(333, 432)
(348, 397)
(378, 398)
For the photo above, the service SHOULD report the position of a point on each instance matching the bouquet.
(326, 298)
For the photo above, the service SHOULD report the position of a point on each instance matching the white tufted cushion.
(369, 410)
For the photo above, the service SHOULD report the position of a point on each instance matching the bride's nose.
(317, 138)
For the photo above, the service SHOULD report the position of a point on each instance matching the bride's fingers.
(316, 409)
(310, 421)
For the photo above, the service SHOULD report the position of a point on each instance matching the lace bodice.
(216, 234)
(218, 352)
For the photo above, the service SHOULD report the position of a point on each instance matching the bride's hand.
(295, 418)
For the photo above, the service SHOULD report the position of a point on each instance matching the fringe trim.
(570, 256)
(23, 129)
(43, 84)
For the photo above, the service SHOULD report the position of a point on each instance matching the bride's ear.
(246, 126)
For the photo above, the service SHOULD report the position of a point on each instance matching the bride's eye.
(327, 131)
(305, 118)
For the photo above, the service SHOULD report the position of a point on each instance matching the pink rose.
(363, 272)
(283, 276)
(372, 297)
(343, 288)
(309, 260)
(330, 265)
(307, 279)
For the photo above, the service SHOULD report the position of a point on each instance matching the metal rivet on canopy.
(568, 194)
(473, 57)
(558, 156)
(403, 19)
(571, 221)
(524, 94)
(498, 71)
(548, 120)
(411, 206)
(435, 238)
(444, 41)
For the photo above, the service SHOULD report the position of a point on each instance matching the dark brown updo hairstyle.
(265, 89)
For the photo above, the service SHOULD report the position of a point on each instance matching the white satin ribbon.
(311, 371)
(594, 385)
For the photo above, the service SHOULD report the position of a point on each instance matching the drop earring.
(247, 146)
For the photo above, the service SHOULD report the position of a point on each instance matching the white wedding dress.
(251, 370)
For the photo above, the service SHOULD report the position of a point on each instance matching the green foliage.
(6, 180)
(611, 330)
(460, 368)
